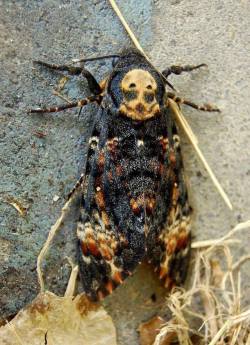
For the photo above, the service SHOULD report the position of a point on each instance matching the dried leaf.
(148, 330)
(62, 320)
(22, 210)
(62, 82)
(217, 273)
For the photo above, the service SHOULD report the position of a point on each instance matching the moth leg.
(76, 186)
(80, 103)
(179, 69)
(180, 100)
(72, 70)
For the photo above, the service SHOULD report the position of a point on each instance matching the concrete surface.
(35, 170)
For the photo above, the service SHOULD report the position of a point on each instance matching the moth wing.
(169, 242)
(110, 245)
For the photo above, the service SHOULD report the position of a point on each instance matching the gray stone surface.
(34, 170)
(216, 33)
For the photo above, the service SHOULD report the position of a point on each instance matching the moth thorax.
(139, 95)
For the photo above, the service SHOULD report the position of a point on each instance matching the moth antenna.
(94, 58)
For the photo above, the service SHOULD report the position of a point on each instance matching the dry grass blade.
(190, 136)
(214, 307)
(58, 94)
(209, 243)
(239, 263)
(126, 26)
(72, 282)
(225, 240)
(187, 129)
(235, 320)
(21, 209)
(48, 242)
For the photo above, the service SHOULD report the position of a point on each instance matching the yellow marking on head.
(139, 89)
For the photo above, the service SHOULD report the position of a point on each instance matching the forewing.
(109, 235)
(169, 237)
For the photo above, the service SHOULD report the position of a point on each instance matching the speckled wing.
(168, 242)
(134, 203)
(110, 238)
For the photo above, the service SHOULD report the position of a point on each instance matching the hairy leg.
(80, 103)
(180, 100)
(72, 70)
(179, 69)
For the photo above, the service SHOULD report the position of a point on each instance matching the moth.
(134, 201)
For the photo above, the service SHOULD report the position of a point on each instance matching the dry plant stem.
(239, 290)
(222, 320)
(220, 241)
(54, 91)
(50, 237)
(231, 329)
(72, 282)
(209, 243)
(212, 310)
(58, 94)
(209, 306)
(182, 327)
(239, 263)
(233, 321)
(220, 333)
(235, 335)
(177, 112)
(131, 34)
(187, 129)
(126, 26)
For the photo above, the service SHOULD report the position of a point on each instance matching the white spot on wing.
(86, 259)
(140, 143)
(93, 142)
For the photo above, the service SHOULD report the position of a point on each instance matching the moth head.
(136, 88)
(139, 90)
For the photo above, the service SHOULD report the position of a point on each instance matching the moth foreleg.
(72, 70)
(180, 100)
(80, 103)
(179, 69)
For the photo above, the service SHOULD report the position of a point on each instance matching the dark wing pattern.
(169, 240)
(135, 203)
(134, 197)
(112, 243)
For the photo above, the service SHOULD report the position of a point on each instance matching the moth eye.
(132, 85)
(149, 87)
(130, 95)
(149, 97)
